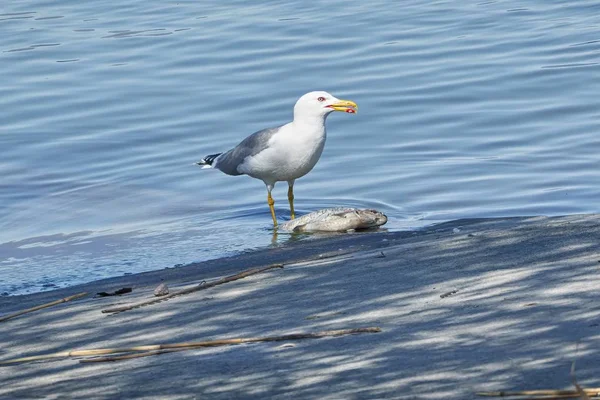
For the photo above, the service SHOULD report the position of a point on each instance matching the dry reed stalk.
(579, 392)
(191, 345)
(544, 392)
(132, 355)
(32, 309)
(196, 288)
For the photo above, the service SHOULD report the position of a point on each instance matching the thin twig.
(190, 345)
(582, 393)
(53, 303)
(196, 288)
(133, 355)
(545, 392)
(579, 392)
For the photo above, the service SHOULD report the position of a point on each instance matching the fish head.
(371, 218)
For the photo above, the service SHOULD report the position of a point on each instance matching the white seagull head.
(320, 104)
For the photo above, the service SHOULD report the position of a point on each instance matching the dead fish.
(338, 219)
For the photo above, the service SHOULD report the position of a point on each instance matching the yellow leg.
(271, 204)
(291, 200)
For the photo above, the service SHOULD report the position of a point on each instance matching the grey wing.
(230, 161)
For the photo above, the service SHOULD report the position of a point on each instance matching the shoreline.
(463, 306)
(302, 250)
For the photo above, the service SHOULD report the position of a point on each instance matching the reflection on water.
(471, 109)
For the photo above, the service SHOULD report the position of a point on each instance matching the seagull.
(284, 153)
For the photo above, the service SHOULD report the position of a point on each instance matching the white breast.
(291, 154)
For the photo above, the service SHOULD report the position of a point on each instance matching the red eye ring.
(321, 99)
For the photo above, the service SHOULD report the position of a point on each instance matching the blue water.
(467, 109)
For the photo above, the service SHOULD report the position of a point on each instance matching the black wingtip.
(208, 160)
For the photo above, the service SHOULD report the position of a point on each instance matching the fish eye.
(321, 99)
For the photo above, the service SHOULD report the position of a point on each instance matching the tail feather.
(207, 161)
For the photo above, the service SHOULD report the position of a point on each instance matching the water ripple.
(468, 109)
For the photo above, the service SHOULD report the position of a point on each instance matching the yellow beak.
(345, 105)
